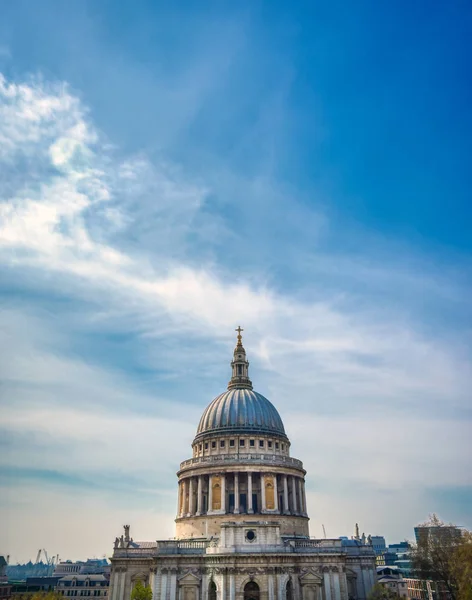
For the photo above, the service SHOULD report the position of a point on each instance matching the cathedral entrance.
(212, 591)
(251, 591)
(289, 590)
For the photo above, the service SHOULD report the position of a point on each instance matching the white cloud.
(350, 381)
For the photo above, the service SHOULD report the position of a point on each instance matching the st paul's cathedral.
(242, 523)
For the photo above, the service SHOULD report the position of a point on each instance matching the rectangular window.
(241, 442)
(261, 443)
(231, 443)
(269, 444)
(206, 445)
(251, 443)
(222, 443)
(213, 444)
(276, 445)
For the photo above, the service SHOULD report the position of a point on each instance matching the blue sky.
(170, 170)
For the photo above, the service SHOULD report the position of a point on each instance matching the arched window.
(251, 591)
(289, 590)
(212, 591)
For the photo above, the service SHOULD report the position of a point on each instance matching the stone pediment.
(351, 573)
(189, 579)
(310, 577)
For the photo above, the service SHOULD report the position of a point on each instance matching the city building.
(400, 548)
(242, 524)
(421, 589)
(68, 567)
(77, 585)
(447, 533)
(396, 555)
(5, 587)
(392, 579)
(33, 585)
(95, 566)
(378, 544)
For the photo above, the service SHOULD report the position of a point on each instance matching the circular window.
(250, 535)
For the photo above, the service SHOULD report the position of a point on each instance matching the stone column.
(185, 506)
(116, 582)
(270, 578)
(327, 585)
(294, 496)
(285, 484)
(300, 495)
(250, 508)
(152, 580)
(199, 496)
(232, 586)
(204, 595)
(236, 495)
(223, 493)
(122, 585)
(179, 499)
(304, 497)
(276, 494)
(222, 586)
(280, 587)
(210, 493)
(164, 585)
(263, 498)
(191, 503)
(365, 580)
(336, 586)
(173, 584)
(156, 592)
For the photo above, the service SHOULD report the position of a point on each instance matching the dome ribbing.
(240, 411)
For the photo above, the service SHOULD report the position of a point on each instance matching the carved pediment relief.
(310, 577)
(189, 578)
(351, 574)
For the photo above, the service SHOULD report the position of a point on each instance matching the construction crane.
(38, 556)
(324, 531)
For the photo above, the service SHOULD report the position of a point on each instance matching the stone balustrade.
(218, 459)
(182, 546)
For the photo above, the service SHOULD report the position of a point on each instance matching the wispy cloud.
(132, 246)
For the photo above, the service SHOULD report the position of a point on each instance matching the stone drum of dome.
(241, 464)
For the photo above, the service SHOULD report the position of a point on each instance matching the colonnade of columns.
(241, 492)
(165, 585)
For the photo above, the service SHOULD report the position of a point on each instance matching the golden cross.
(239, 332)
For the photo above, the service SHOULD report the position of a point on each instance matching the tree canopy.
(141, 591)
(379, 592)
(444, 554)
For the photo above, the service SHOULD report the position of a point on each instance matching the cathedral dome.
(240, 410)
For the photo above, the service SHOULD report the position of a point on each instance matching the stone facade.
(242, 524)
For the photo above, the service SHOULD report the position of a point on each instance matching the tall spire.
(240, 366)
